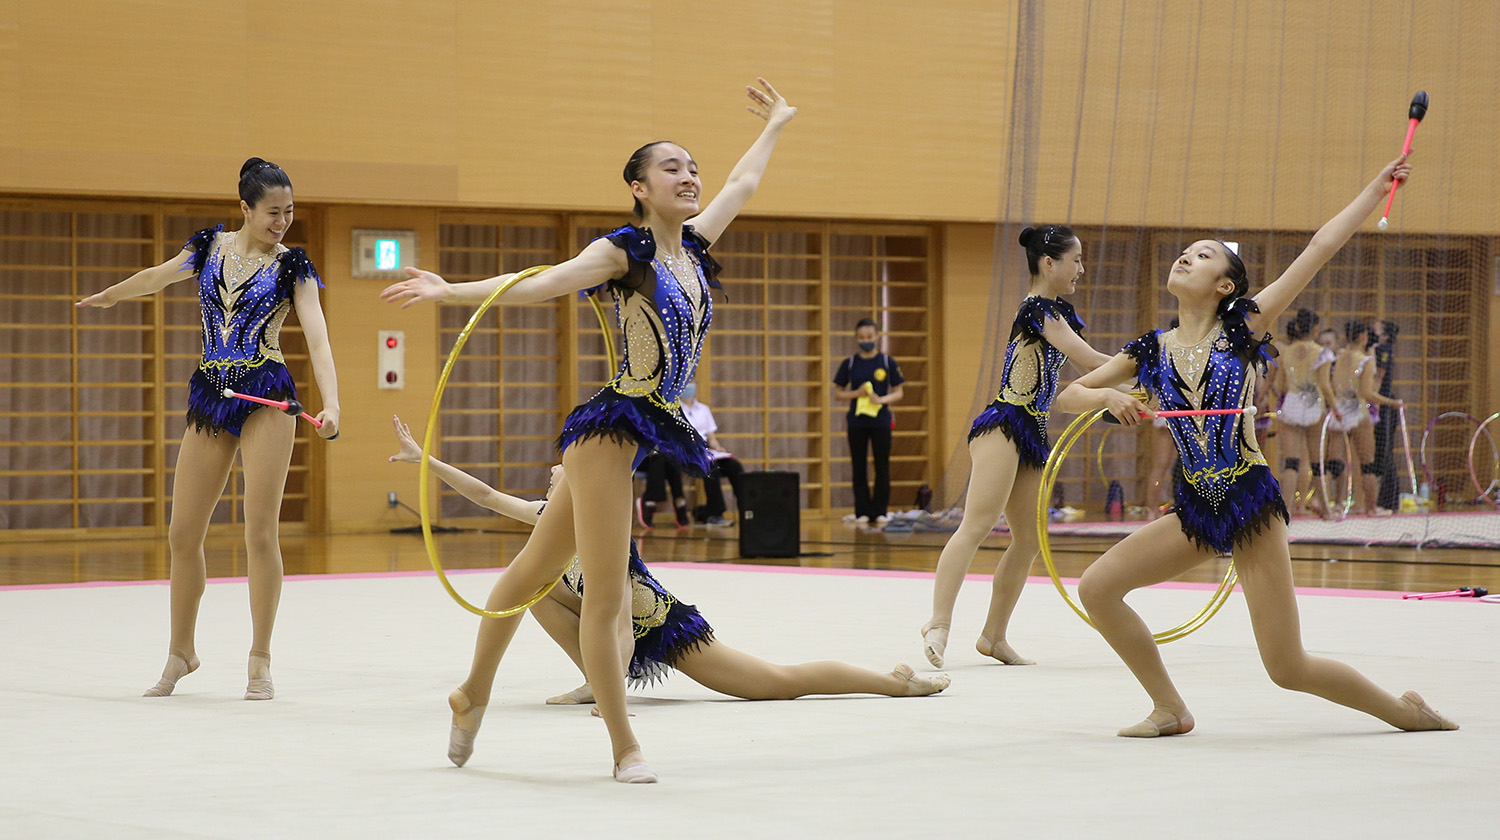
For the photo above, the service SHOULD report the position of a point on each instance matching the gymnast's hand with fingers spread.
(418, 286)
(411, 451)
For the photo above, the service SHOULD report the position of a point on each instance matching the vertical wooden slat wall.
(92, 400)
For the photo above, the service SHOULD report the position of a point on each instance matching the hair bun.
(249, 165)
(1026, 236)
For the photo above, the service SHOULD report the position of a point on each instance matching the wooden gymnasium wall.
(391, 114)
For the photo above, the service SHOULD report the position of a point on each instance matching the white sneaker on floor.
(857, 520)
(881, 520)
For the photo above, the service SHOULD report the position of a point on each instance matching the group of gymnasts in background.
(661, 277)
(1341, 378)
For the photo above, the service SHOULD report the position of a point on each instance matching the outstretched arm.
(1275, 298)
(467, 485)
(1060, 334)
(598, 263)
(745, 177)
(147, 281)
(1096, 389)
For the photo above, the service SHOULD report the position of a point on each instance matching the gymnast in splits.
(1227, 500)
(661, 275)
(658, 632)
(1006, 471)
(248, 282)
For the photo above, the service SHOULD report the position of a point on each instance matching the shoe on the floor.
(718, 522)
(682, 514)
(881, 520)
(644, 512)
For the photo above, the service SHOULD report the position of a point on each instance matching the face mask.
(867, 346)
(689, 392)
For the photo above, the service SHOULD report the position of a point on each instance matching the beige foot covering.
(1001, 652)
(176, 669)
(466, 720)
(934, 642)
(920, 686)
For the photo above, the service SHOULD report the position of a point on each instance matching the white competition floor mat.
(354, 743)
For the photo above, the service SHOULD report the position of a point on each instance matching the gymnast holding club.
(247, 284)
(1226, 498)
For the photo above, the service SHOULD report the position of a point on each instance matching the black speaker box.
(770, 514)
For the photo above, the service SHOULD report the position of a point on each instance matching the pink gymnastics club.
(291, 407)
(1203, 412)
(1414, 115)
(1461, 592)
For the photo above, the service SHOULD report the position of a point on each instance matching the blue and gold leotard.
(663, 308)
(242, 315)
(1028, 382)
(1224, 493)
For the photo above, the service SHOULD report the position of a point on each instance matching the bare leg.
(1015, 565)
(203, 465)
(722, 668)
(546, 553)
(599, 477)
(994, 471)
(558, 615)
(1157, 552)
(1265, 568)
(1364, 451)
(1294, 447)
(1306, 480)
(266, 453)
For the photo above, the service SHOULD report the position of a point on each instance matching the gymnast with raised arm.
(660, 274)
(1226, 499)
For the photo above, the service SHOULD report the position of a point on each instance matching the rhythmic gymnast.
(247, 283)
(661, 275)
(1006, 467)
(658, 632)
(1351, 380)
(1300, 418)
(1227, 501)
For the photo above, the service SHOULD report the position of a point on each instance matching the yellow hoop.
(437, 397)
(1065, 442)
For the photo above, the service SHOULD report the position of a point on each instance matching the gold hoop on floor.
(1060, 449)
(432, 415)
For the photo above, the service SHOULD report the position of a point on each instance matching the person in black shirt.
(871, 381)
(1389, 497)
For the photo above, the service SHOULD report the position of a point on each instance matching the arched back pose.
(1227, 501)
(1351, 381)
(658, 632)
(1300, 418)
(1006, 471)
(247, 283)
(660, 274)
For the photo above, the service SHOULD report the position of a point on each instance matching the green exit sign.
(387, 254)
(383, 254)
